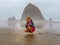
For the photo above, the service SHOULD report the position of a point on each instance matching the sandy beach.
(9, 36)
(47, 34)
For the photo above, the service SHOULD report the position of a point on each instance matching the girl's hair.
(29, 18)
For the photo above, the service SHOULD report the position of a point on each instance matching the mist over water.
(54, 26)
(4, 24)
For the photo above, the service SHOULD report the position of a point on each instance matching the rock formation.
(33, 12)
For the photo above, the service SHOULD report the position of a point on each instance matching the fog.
(15, 8)
(49, 8)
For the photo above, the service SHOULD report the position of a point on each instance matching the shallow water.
(10, 36)
(55, 26)
(49, 34)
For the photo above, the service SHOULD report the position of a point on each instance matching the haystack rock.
(33, 12)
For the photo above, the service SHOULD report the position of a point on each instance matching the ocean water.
(55, 26)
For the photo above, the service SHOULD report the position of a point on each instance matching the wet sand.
(10, 36)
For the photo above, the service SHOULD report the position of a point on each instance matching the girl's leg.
(30, 29)
(27, 30)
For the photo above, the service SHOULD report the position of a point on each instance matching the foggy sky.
(49, 8)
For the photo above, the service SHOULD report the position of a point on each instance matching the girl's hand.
(29, 24)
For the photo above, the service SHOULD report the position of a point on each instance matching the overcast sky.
(49, 8)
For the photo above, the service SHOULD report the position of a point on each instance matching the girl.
(29, 25)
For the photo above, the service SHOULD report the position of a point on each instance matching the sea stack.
(33, 12)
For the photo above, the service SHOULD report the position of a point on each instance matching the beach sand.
(9, 36)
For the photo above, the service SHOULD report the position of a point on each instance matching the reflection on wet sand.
(29, 39)
(12, 36)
